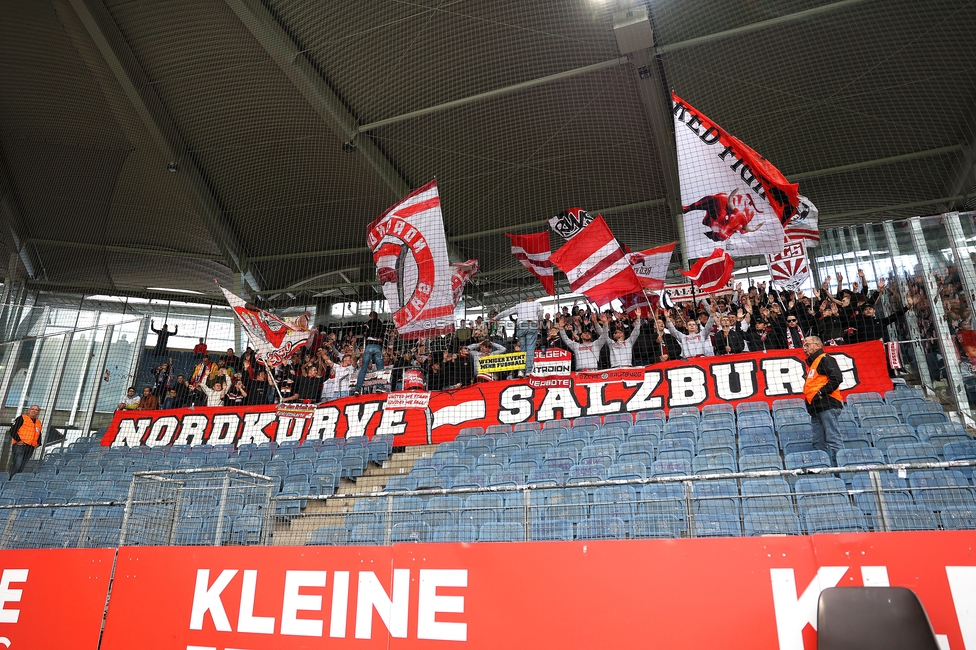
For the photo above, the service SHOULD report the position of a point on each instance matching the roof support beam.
(111, 44)
(635, 38)
(472, 235)
(120, 249)
(491, 94)
(826, 219)
(964, 171)
(867, 164)
(12, 217)
(316, 90)
(763, 24)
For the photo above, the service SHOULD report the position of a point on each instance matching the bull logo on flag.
(727, 214)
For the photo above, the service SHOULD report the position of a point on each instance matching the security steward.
(25, 434)
(824, 401)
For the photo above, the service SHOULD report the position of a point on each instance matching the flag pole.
(271, 378)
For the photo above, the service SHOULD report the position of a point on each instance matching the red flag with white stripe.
(596, 265)
(533, 252)
(651, 266)
(711, 274)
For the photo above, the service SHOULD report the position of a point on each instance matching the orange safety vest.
(816, 381)
(30, 431)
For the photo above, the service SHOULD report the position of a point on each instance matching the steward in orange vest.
(823, 379)
(26, 429)
(25, 435)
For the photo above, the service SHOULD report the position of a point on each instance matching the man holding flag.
(529, 314)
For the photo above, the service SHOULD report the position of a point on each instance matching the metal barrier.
(870, 498)
(227, 506)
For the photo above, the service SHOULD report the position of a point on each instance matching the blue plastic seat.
(657, 526)
(714, 463)
(480, 509)
(600, 527)
(938, 490)
(912, 453)
(410, 531)
(501, 532)
(671, 468)
(552, 529)
(329, 536)
(772, 523)
(567, 503)
(766, 495)
(717, 524)
(627, 470)
(458, 534)
(757, 462)
(820, 491)
(366, 535)
(834, 518)
(615, 501)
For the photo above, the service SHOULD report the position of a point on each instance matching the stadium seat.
(551, 529)
(772, 523)
(457, 534)
(657, 526)
(602, 528)
(501, 532)
(329, 536)
(834, 518)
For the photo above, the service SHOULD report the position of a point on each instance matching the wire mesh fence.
(920, 496)
(231, 507)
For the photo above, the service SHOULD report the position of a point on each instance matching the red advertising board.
(53, 599)
(706, 380)
(757, 593)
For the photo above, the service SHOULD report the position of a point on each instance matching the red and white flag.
(410, 251)
(804, 227)
(711, 274)
(651, 266)
(596, 264)
(789, 269)
(274, 339)
(639, 303)
(461, 273)
(533, 252)
(732, 198)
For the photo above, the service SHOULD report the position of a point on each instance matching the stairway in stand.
(332, 511)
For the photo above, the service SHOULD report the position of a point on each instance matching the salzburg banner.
(53, 599)
(757, 593)
(727, 379)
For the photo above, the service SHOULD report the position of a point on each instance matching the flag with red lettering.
(274, 339)
(732, 198)
(410, 250)
(711, 274)
(533, 251)
(651, 266)
(596, 264)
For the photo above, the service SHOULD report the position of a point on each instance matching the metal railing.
(228, 507)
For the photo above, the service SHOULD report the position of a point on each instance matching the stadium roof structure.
(164, 143)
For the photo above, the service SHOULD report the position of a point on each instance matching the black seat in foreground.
(873, 618)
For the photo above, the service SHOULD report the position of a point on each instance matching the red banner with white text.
(756, 593)
(727, 379)
(53, 599)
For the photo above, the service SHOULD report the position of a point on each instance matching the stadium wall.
(758, 593)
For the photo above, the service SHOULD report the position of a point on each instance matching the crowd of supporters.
(331, 366)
